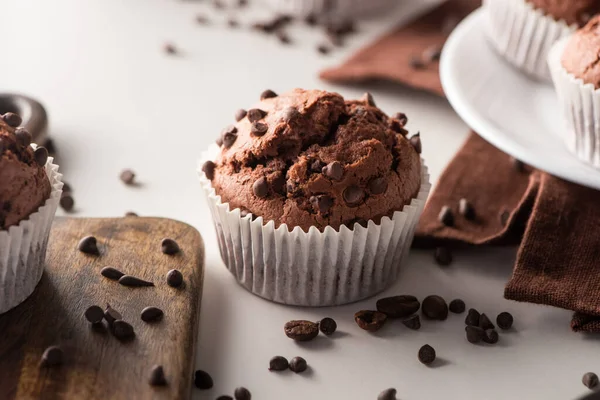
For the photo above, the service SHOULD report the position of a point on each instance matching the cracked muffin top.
(572, 12)
(581, 56)
(310, 158)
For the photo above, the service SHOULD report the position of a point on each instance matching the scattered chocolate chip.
(201, 19)
(457, 306)
(413, 322)
(491, 336)
(152, 314)
(311, 19)
(229, 129)
(367, 98)
(53, 356)
(398, 306)
(289, 114)
(66, 202)
(517, 165)
(322, 203)
(415, 141)
(474, 334)
(446, 216)
(590, 380)
(435, 307)
(504, 217)
(169, 246)
(219, 141)
(23, 137)
(94, 314)
(334, 170)
(472, 318)
(66, 187)
(378, 185)
(427, 354)
(256, 114)
(174, 278)
(442, 256)
(268, 94)
(229, 139)
(41, 156)
(260, 188)
(432, 53)
(301, 331)
(209, 169)
(328, 326)
(111, 315)
(157, 376)
(283, 37)
(370, 320)
(203, 380)
(397, 127)
(111, 273)
(233, 23)
(88, 245)
(258, 128)
(387, 394)
(402, 118)
(353, 195)
(416, 63)
(170, 48)
(485, 323)
(241, 393)
(13, 120)
(504, 320)
(127, 176)
(122, 330)
(278, 363)
(298, 365)
(131, 214)
(323, 49)
(466, 209)
(240, 114)
(132, 281)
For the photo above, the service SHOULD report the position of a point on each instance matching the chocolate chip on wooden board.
(133, 281)
(298, 365)
(203, 380)
(278, 363)
(241, 393)
(111, 273)
(111, 315)
(94, 314)
(413, 322)
(435, 307)
(88, 245)
(504, 320)
(169, 246)
(426, 354)
(151, 314)
(388, 394)
(157, 376)
(327, 326)
(174, 278)
(300, 330)
(122, 330)
(398, 306)
(370, 320)
(53, 356)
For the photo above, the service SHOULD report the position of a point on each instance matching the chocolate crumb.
(427, 354)
(323, 49)
(94, 314)
(170, 48)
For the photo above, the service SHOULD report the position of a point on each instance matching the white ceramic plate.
(518, 115)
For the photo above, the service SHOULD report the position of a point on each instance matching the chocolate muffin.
(580, 55)
(310, 158)
(24, 184)
(576, 12)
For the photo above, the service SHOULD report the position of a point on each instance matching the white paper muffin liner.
(345, 8)
(23, 247)
(580, 105)
(312, 268)
(523, 35)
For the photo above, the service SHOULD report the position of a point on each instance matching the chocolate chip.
(590, 380)
(322, 203)
(241, 393)
(152, 314)
(316, 166)
(323, 49)
(388, 394)
(229, 139)
(413, 322)
(278, 363)
(209, 169)
(41, 156)
(446, 216)
(170, 48)
(260, 188)
(427, 354)
(232, 23)
(218, 4)
(157, 376)
(474, 334)
(268, 94)
(203, 380)
(485, 323)
(504, 320)
(229, 129)
(457, 306)
(397, 127)
(442, 256)
(256, 114)
(66, 187)
(201, 19)
(472, 318)
(311, 19)
(23, 137)
(334, 170)
(504, 217)
(466, 209)
(169, 246)
(122, 330)
(174, 278)
(398, 306)
(415, 141)
(127, 176)
(132, 281)
(258, 128)
(289, 114)
(490, 336)
(53, 356)
(240, 114)
(416, 63)
(111, 273)
(298, 365)
(131, 214)
(67, 202)
(328, 326)
(435, 307)
(111, 315)
(402, 118)
(301, 331)
(94, 314)
(283, 37)
(432, 53)
(13, 120)
(353, 195)
(367, 98)
(88, 245)
(219, 141)
(370, 320)
(378, 185)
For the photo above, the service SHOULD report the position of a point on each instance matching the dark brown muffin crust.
(571, 11)
(581, 56)
(309, 158)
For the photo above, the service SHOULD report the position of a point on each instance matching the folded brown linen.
(555, 222)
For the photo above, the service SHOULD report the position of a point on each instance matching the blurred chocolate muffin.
(572, 12)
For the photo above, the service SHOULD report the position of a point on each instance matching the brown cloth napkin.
(554, 222)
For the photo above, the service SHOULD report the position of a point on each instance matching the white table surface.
(116, 100)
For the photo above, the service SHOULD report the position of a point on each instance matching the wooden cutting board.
(97, 365)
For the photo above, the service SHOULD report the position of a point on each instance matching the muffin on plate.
(523, 31)
(575, 71)
(30, 189)
(315, 198)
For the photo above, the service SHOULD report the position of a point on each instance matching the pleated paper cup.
(312, 268)
(343, 8)
(580, 106)
(23, 247)
(523, 35)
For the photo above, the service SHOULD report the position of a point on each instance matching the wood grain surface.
(98, 365)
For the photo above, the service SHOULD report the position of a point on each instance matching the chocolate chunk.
(278, 363)
(268, 94)
(378, 185)
(323, 49)
(152, 314)
(334, 170)
(94, 314)
(398, 306)
(289, 114)
(23, 137)
(255, 114)
(485, 323)
(111, 273)
(157, 376)
(174, 278)
(66, 202)
(415, 141)
(432, 53)
(353, 195)
(490, 336)
(590, 380)
(474, 334)
(370, 320)
(504, 320)
(170, 48)
(111, 315)
(298, 365)
(209, 169)
(504, 217)
(88, 245)
(258, 129)
(413, 322)
(122, 330)
(169, 246)
(472, 318)
(240, 114)
(311, 19)
(53, 356)
(446, 216)
(203, 380)
(41, 156)
(442, 256)
(402, 118)
(132, 281)
(328, 326)
(322, 203)
(260, 188)
(13, 120)
(435, 307)
(416, 63)
(387, 394)
(229, 139)
(466, 209)
(127, 176)
(457, 306)
(241, 393)
(427, 354)
(367, 98)
(301, 331)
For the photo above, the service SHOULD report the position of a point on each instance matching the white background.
(116, 100)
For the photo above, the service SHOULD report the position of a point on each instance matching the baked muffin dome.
(580, 56)
(571, 11)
